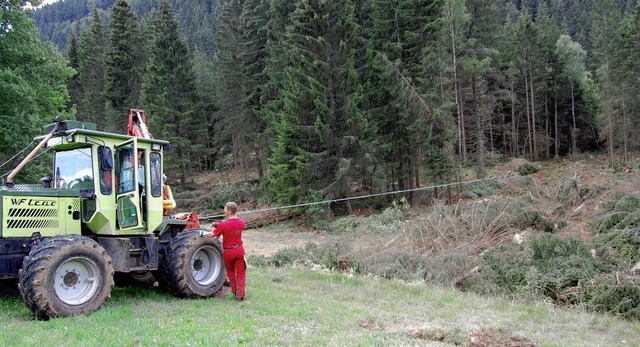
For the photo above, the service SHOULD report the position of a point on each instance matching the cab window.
(155, 171)
(73, 170)
(126, 178)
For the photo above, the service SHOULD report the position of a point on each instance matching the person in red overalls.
(231, 231)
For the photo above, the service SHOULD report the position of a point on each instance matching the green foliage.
(560, 265)
(320, 132)
(123, 67)
(621, 212)
(480, 189)
(527, 169)
(320, 214)
(535, 219)
(212, 199)
(617, 294)
(622, 247)
(91, 60)
(547, 266)
(504, 271)
(32, 86)
(388, 221)
(169, 93)
(335, 256)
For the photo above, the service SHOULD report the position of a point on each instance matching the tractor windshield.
(73, 170)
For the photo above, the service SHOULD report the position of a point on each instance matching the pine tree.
(91, 56)
(320, 135)
(231, 118)
(73, 84)
(122, 67)
(256, 91)
(169, 93)
(625, 66)
(606, 19)
(205, 134)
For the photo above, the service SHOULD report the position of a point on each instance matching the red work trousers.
(236, 270)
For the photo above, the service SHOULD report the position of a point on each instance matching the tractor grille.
(31, 224)
(24, 215)
(26, 212)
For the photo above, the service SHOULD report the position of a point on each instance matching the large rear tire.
(193, 266)
(66, 275)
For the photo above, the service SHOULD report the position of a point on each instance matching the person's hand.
(201, 233)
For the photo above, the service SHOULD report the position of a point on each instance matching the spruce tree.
(73, 84)
(606, 19)
(231, 118)
(122, 67)
(169, 93)
(91, 56)
(321, 132)
(256, 92)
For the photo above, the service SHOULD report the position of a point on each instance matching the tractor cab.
(117, 177)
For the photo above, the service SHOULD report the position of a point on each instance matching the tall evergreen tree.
(606, 19)
(256, 93)
(91, 55)
(169, 91)
(122, 67)
(232, 115)
(321, 133)
(73, 85)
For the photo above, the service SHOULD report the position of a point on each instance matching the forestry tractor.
(102, 213)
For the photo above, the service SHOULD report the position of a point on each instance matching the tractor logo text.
(33, 202)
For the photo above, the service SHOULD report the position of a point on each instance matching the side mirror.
(46, 181)
(106, 158)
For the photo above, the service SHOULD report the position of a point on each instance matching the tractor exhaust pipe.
(9, 182)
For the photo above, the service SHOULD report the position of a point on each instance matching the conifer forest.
(316, 97)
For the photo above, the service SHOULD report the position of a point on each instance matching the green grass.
(305, 307)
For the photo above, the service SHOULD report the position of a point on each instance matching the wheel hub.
(77, 280)
(70, 279)
(206, 265)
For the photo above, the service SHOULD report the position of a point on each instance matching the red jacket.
(231, 231)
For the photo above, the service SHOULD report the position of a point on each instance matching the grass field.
(307, 307)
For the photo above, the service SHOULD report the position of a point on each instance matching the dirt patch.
(266, 243)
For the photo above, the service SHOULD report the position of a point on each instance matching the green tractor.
(101, 214)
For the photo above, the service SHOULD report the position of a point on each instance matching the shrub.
(480, 189)
(400, 265)
(333, 255)
(503, 271)
(618, 294)
(621, 212)
(445, 268)
(534, 219)
(621, 247)
(547, 266)
(527, 169)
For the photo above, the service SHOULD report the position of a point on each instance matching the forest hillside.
(316, 101)
(320, 99)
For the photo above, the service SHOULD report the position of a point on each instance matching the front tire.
(193, 266)
(66, 275)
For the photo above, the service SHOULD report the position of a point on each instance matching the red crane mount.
(137, 127)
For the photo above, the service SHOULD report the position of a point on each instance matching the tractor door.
(127, 192)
